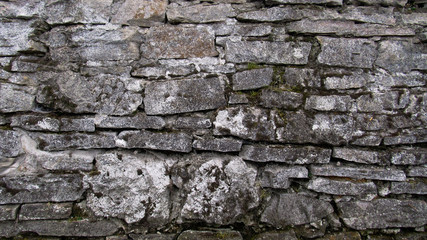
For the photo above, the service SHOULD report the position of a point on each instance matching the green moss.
(252, 65)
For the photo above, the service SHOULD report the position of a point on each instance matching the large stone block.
(141, 13)
(199, 13)
(339, 187)
(36, 123)
(353, 81)
(328, 103)
(16, 98)
(267, 52)
(10, 143)
(401, 56)
(383, 213)
(409, 156)
(359, 155)
(252, 79)
(64, 161)
(410, 187)
(274, 14)
(39, 211)
(417, 172)
(277, 176)
(8, 212)
(218, 144)
(137, 121)
(379, 15)
(55, 142)
(178, 42)
(274, 98)
(375, 173)
(184, 96)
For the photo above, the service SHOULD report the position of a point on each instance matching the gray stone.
(286, 154)
(8, 212)
(168, 141)
(141, 13)
(192, 123)
(401, 56)
(288, 235)
(20, 65)
(383, 213)
(409, 156)
(65, 161)
(275, 98)
(267, 52)
(15, 98)
(153, 236)
(417, 172)
(369, 140)
(210, 235)
(400, 3)
(277, 176)
(59, 228)
(378, 15)
(131, 187)
(164, 42)
(10, 143)
(218, 144)
(247, 122)
(37, 211)
(343, 236)
(410, 187)
(400, 139)
(36, 123)
(414, 18)
(110, 51)
(321, 2)
(237, 98)
(411, 236)
(55, 142)
(21, 9)
(249, 30)
(371, 122)
(294, 209)
(49, 188)
(353, 81)
(77, 125)
(339, 187)
(355, 52)
(149, 72)
(274, 14)
(184, 96)
(220, 189)
(328, 103)
(301, 77)
(374, 173)
(199, 13)
(138, 121)
(252, 79)
(370, 103)
(358, 155)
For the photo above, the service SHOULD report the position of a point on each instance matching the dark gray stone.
(141, 13)
(267, 52)
(272, 98)
(36, 123)
(237, 98)
(286, 154)
(321, 2)
(49, 188)
(400, 139)
(55, 142)
(77, 125)
(38, 211)
(16, 98)
(409, 156)
(218, 144)
(294, 209)
(277, 176)
(252, 79)
(138, 121)
(375, 173)
(199, 13)
(369, 140)
(328, 103)
(247, 30)
(417, 172)
(339, 187)
(192, 123)
(343, 236)
(173, 141)
(371, 122)
(358, 155)
(10, 143)
(153, 236)
(210, 235)
(288, 235)
(184, 96)
(383, 213)
(401, 56)
(410, 187)
(399, 3)
(301, 77)
(357, 52)
(8, 212)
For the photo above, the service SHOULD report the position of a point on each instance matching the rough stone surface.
(401, 56)
(199, 13)
(184, 96)
(328, 103)
(153, 236)
(346, 82)
(16, 37)
(15, 98)
(37, 211)
(375, 173)
(276, 176)
(192, 123)
(252, 79)
(417, 172)
(8, 212)
(218, 144)
(77, 125)
(339, 187)
(410, 187)
(357, 155)
(55, 142)
(385, 2)
(210, 235)
(301, 77)
(342, 236)
(141, 13)
(409, 156)
(10, 143)
(138, 121)
(383, 213)
(294, 209)
(276, 235)
(280, 99)
(328, 2)
(36, 123)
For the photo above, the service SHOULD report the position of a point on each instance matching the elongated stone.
(337, 187)
(274, 14)
(192, 123)
(379, 15)
(141, 12)
(199, 13)
(399, 3)
(218, 144)
(15, 98)
(281, 99)
(277, 176)
(77, 124)
(276, 235)
(417, 172)
(138, 121)
(375, 173)
(409, 156)
(36, 123)
(38, 211)
(321, 2)
(347, 82)
(252, 79)
(328, 103)
(206, 235)
(80, 11)
(357, 155)
(55, 142)
(409, 187)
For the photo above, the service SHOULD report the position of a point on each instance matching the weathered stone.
(19, 9)
(210, 235)
(237, 98)
(77, 125)
(220, 189)
(328, 103)
(358, 155)
(288, 235)
(369, 140)
(247, 122)
(366, 190)
(400, 139)
(36, 123)
(274, 14)
(141, 13)
(401, 56)
(177, 142)
(378, 15)
(59, 228)
(410, 187)
(8, 212)
(276, 176)
(21, 65)
(218, 144)
(10, 143)
(138, 121)
(286, 154)
(294, 209)
(65, 161)
(267, 52)
(411, 236)
(252, 79)
(370, 122)
(193, 123)
(110, 51)
(131, 187)
(272, 98)
(399, 3)
(249, 30)
(184, 96)
(301, 77)
(409, 156)
(199, 13)
(417, 172)
(153, 236)
(313, 230)
(375, 173)
(163, 42)
(370, 103)
(414, 18)
(49, 188)
(355, 52)
(55, 142)
(15, 98)
(383, 213)
(321, 2)
(39, 211)
(358, 80)
(342, 236)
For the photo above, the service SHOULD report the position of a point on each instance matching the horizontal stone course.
(39, 211)
(375, 173)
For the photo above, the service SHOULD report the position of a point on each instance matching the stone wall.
(228, 119)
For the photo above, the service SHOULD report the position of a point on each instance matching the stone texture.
(131, 187)
(184, 96)
(294, 209)
(55, 142)
(321, 2)
(199, 13)
(49, 188)
(168, 141)
(383, 213)
(153, 236)
(141, 13)
(192, 123)
(237, 98)
(328, 103)
(276, 235)
(401, 56)
(275, 98)
(380, 15)
(8, 212)
(375, 173)
(36, 123)
(286, 154)
(220, 189)
(358, 155)
(353, 81)
(65, 161)
(410, 187)
(339, 187)
(210, 235)
(347, 52)
(267, 52)
(417, 172)
(409, 156)
(399, 3)
(10, 143)
(77, 124)
(38, 211)
(252, 79)
(163, 42)
(301, 77)
(276, 176)
(218, 144)
(137, 121)
(414, 18)
(342, 236)
(274, 14)
(15, 98)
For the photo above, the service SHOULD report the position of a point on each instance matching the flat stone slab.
(39, 211)
(199, 13)
(10, 143)
(55, 142)
(210, 235)
(137, 121)
(329, 103)
(252, 79)
(218, 144)
(15, 98)
(409, 156)
(277, 176)
(321, 2)
(8, 212)
(141, 13)
(184, 96)
(282, 99)
(358, 155)
(401, 56)
(340, 187)
(410, 187)
(375, 173)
